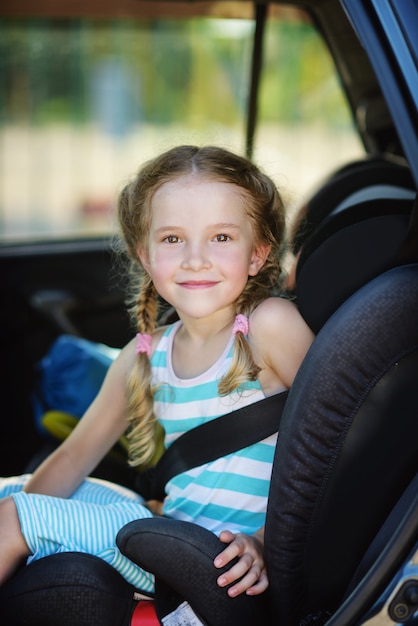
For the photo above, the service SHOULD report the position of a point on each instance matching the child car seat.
(311, 483)
(347, 452)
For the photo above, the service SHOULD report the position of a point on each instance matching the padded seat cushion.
(69, 589)
(181, 555)
(351, 410)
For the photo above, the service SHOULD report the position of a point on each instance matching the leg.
(50, 525)
(13, 548)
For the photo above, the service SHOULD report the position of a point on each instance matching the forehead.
(196, 195)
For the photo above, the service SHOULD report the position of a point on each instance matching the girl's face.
(201, 246)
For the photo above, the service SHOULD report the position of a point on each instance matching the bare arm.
(279, 339)
(101, 426)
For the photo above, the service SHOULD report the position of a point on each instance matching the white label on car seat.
(182, 616)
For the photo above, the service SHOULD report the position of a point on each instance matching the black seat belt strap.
(210, 441)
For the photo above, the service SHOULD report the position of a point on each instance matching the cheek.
(236, 270)
(160, 266)
(238, 263)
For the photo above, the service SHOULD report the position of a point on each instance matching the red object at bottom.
(144, 614)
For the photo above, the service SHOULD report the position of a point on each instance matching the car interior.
(338, 430)
(341, 527)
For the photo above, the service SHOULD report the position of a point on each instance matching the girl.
(203, 229)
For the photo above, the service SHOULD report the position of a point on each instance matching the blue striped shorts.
(87, 522)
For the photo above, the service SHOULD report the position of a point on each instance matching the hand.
(250, 570)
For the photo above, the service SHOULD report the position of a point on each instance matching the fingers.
(260, 586)
(251, 579)
(249, 571)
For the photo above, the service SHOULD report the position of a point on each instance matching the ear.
(258, 259)
(143, 256)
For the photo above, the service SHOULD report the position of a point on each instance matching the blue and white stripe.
(87, 522)
(230, 492)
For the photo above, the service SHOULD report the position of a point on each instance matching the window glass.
(305, 128)
(84, 102)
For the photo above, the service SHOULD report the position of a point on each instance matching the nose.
(196, 257)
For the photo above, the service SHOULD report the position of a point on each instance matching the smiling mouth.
(198, 284)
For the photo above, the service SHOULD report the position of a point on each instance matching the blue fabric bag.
(70, 376)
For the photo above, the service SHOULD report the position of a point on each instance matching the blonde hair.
(264, 208)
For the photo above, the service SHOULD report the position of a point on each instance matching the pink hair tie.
(143, 344)
(240, 324)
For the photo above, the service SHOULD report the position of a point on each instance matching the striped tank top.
(230, 492)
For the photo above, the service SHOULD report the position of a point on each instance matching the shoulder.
(274, 314)
(277, 324)
(279, 338)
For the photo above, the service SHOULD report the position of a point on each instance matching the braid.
(146, 306)
(141, 435)
(243, 366)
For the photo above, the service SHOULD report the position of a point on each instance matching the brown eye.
(171, 239)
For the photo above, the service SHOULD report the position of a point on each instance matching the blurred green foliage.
(133, 71)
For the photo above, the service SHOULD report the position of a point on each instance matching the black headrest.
(348, 446)
(355, 183)
(347, 250)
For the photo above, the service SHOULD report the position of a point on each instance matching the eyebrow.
(219, 226)
(225, 225)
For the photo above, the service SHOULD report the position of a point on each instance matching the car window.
(85, 101)
(305, 128)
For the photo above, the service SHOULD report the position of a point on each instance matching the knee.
(13, 547)
(8, 511)
(11, 533)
